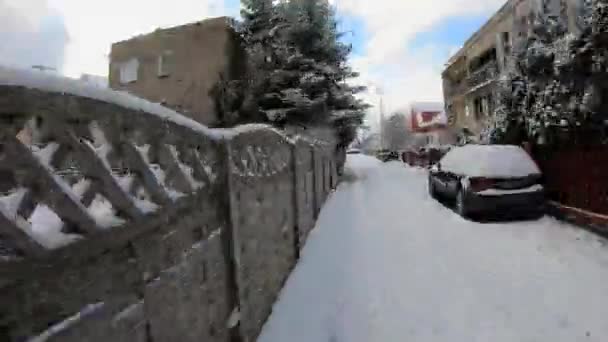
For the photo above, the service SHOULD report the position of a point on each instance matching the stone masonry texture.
(206, 263)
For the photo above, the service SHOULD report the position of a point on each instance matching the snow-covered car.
(488, 178)
(354, 151)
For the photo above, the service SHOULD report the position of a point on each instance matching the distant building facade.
(429, 124)
(470, 76)
(180, 66)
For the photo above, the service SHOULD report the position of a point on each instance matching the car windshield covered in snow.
(496, 161)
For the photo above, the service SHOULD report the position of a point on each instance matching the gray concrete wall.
(204, 266)
(305, 189)
(263, 216)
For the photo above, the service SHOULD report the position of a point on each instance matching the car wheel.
(461, 205)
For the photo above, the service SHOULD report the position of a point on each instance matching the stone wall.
(123, 225)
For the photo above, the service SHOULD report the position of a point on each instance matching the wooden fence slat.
(574, 177)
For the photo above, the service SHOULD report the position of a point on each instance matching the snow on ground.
(359, 166)
(387, 263)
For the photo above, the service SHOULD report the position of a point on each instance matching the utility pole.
(380, 93)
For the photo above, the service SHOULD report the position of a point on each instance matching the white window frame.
(129, 71)
(165, 63)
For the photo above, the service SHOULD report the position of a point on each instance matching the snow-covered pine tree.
(552, 93)
(299, 66)
(318, 39)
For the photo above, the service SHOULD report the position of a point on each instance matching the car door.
(438, 177)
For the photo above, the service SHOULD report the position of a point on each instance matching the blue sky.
(450, 32)
(403, 54)
(399, 46)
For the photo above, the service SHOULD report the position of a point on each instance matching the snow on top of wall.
(33, 79)
(500, 161)
(52, 83)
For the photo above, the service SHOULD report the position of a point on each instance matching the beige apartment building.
(180, 66)
(470, 76)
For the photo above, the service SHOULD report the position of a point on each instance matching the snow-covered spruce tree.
(551, 95)
(317, 37)
(263, 34)
(299, 67)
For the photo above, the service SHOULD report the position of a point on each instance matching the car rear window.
(492, 161)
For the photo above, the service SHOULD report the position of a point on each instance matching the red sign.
(427, 121)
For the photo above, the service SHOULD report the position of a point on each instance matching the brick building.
(180, 66)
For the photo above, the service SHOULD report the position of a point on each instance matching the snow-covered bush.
(553, 92)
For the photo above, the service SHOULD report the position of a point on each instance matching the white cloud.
(405, 74)
(94, 25)
(31, 34)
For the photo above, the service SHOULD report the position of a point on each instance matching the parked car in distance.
(387, 156)
(354, 151)
(488, 179)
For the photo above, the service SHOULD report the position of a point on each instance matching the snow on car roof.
(498, 161)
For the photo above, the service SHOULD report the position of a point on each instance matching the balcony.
(484, 74)
(454, 89)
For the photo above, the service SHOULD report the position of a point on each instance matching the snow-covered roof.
(427, 115)
(499, 161)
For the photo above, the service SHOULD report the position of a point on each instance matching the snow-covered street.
(387, 263)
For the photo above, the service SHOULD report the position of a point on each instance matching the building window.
(490, 102)
(128, 71)
(478, 108)
(485, 106)
(506, 39)
(166, 63)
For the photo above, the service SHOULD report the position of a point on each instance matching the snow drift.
(358, 166)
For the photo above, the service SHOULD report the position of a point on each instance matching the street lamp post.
(379, 92)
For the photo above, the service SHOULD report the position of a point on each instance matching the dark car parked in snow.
(479, 179)
(386, 155)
